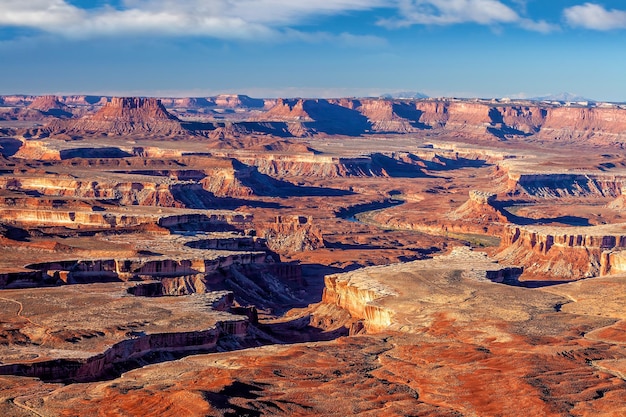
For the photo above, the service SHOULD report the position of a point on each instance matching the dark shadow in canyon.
(9, 146)
(412, 114)
(349, 213)
(398, 169)
(540, 283)
(333, 119)
(527, 221)
(108, 152)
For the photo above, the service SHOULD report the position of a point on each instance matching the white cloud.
(250, 19)
(538, 26)
(226, 19)
(594, 16)
(40, 14)
(448, 12)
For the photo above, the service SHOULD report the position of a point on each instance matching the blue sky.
(314, 48)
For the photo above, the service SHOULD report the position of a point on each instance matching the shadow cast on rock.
(398, 169)
(333, 119)
(195, 197)
(9, 146)
(266, 186)
(527, 221)
(108, 152)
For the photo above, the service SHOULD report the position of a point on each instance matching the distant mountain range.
(405, 94)
(562, 97)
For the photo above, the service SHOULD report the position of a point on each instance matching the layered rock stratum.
(353, 256)
(125, 115)
(226, 115)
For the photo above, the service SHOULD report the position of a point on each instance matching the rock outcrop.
(50, 105)
(187, 102)
(237, 101)
(318, 166)
(122, 116)
(161, 268)
(357, 295)
(161, 192)
(620, 202)
(479, 214)
(76, 354)
(564, 252)
(468, 119)
(566, 184)
(461, 118)
(291, 234)
(378, 295)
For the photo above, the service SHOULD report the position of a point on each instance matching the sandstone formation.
(489, 335)
(187, 102)
(565, 252)
(481, 214)
(50, 105)
(463, 119)
(566, 184)
(124, 116)
(119, 339)
(620, 202)
(312, 257)
(362, 292)
(295, 234)
(237, 101)
(315, 166)
(72, 100)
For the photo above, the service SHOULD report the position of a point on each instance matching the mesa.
(228, 254)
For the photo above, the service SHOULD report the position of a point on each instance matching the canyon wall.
(472, 118)
(154, 191)
(564, 184)
(142, 348)
(313, 166)
(347, 116)
(380, 296)
(358, 297)
(291, 234)
(480, 214)
(565, 252)
(98, 270)
(77, 219)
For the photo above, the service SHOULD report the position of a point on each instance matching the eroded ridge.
(567, 252)
(264, 255)
(68, 337)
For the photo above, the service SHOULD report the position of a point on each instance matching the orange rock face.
(568, 253)
(312, 257)
(47, 103)
(133, 109)
(123, 116)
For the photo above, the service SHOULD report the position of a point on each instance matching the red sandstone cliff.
(476, 119)
(286, 110)
(565, 252)
(46, 103)
(291, 234)
(124, 116)
(472, 119)
(134, 110)
(237, 101)
(585, 123)
(479, 214)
